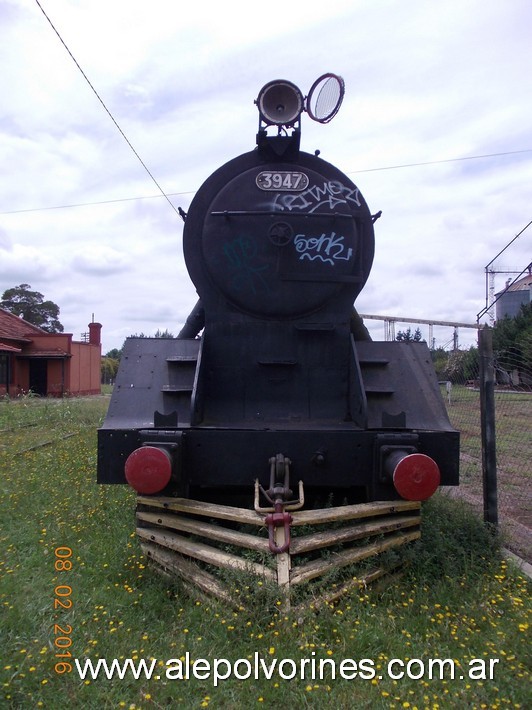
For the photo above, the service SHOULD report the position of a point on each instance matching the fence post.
(487, 424)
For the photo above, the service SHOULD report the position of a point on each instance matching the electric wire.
(174, 194)
(99, 202)
(107, 110)
(446, 160)
(191, 192)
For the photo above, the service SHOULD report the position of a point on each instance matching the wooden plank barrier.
(191, 539)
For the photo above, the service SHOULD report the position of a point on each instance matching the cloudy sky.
(435, 129)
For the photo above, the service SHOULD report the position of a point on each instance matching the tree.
(440, 358)
(462, 365)
(158, 334)
(30, 305)
(512, 340)
(114, 354)
(407, 337)
(524, 342)
(109, 368)
(164, 334)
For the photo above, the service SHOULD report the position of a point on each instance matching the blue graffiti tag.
(327, 248)
(247, 273)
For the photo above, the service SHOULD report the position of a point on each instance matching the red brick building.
(48, 364)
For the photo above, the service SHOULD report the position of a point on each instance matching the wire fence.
(509, 402)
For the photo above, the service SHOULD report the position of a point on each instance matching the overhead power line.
(167, 195)
(99, 202)
(447, 160)
(107, 110)
(191, 192)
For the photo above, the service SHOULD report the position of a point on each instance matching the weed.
(459, 600)
(454, 541)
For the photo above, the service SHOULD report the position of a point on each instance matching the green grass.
(457, 600)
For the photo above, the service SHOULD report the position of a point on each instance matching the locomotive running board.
(192, 539)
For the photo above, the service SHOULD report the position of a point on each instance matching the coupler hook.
(279, 494)
(276, 520)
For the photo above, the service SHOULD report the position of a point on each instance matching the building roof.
(5, 348)
(523, 284)
(14, 328)
(48, 354)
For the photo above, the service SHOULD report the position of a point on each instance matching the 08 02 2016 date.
(62, 601)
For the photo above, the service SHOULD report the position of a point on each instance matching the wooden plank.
(198, 527)
(353, 512)
(282, 559)
(343, 589)
(356, 583)
(300, 517)
(188, 571)
(319, 540)
(310, 570)
(203, 552)
(208, 510)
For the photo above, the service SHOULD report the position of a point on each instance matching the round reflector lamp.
(148, 469)
(416, 477)
(325, 97)
(280, 103)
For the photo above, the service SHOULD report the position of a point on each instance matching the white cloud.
(100, 261)
(22, 263)
(5, 241)
(425, 82)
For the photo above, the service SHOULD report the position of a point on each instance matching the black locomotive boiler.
(283, 380)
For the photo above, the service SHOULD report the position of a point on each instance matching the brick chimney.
(95, 333)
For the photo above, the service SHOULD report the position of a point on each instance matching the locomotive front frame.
(282, 384)
(278, 243)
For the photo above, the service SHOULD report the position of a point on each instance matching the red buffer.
(148, 469)
(416, 477)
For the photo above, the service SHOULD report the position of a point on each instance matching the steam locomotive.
(274, 374)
